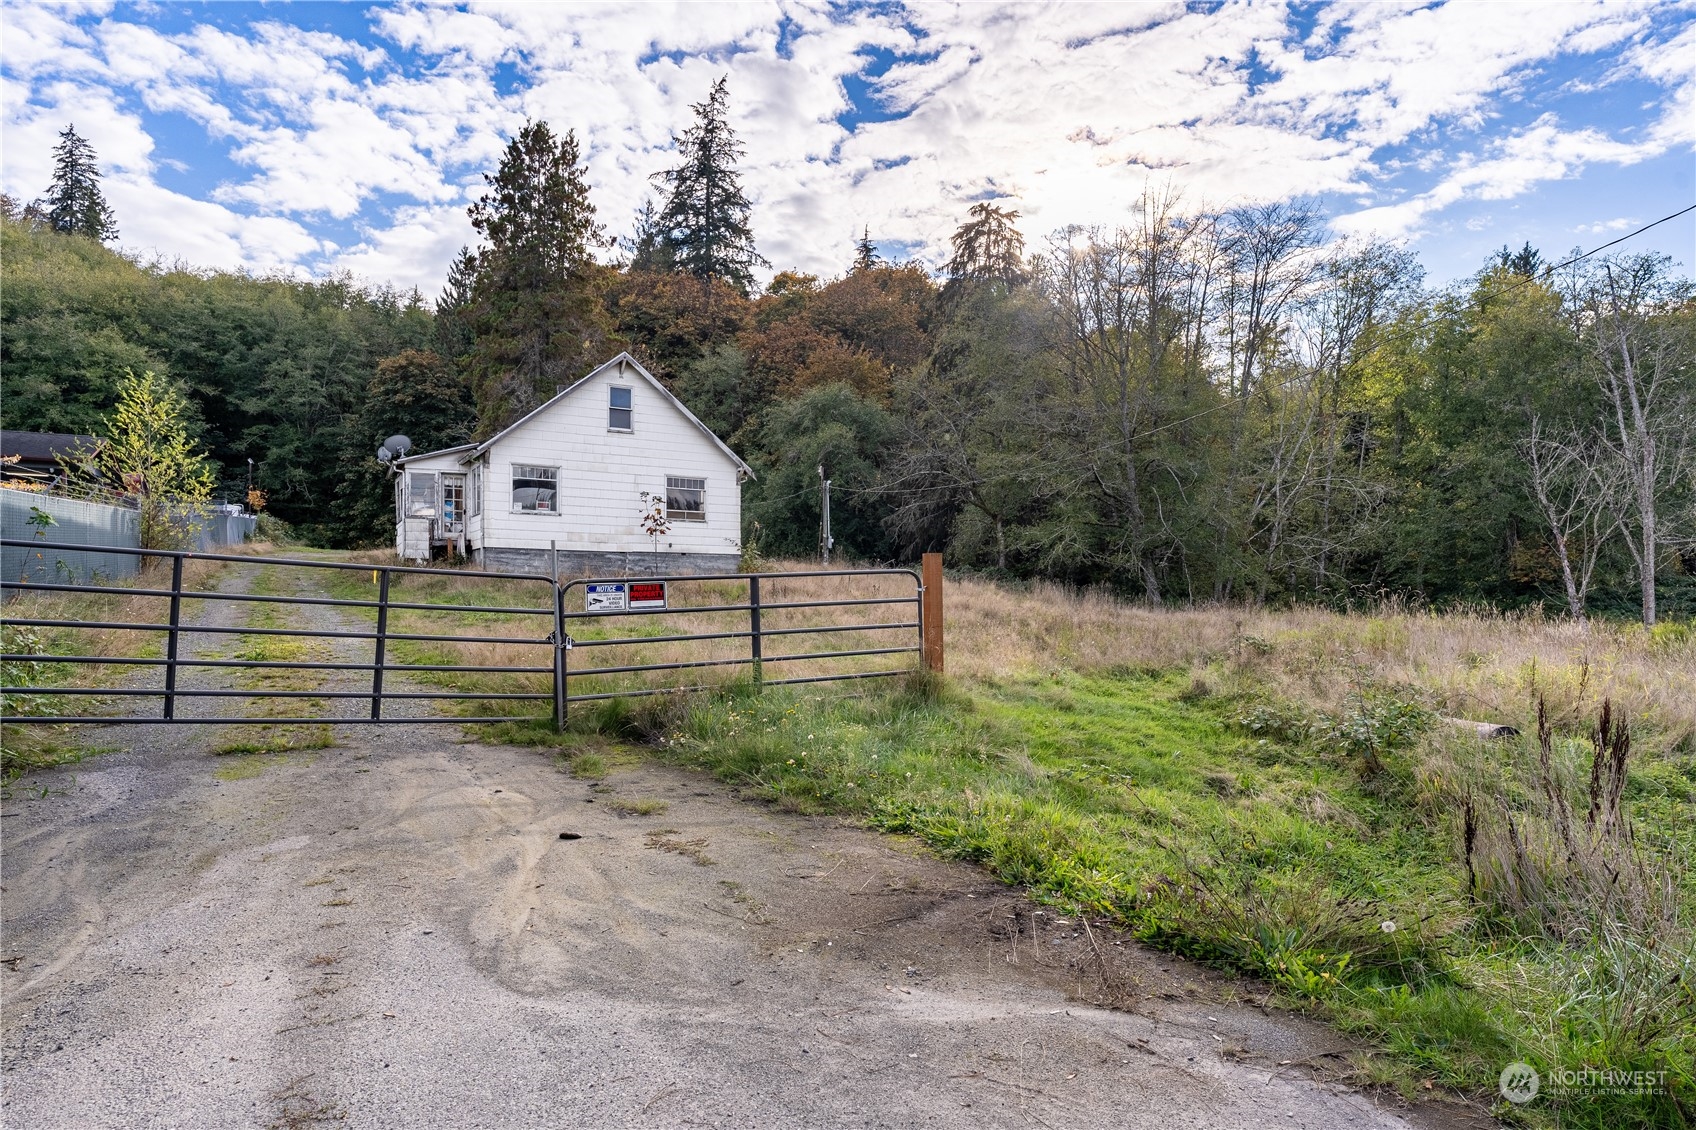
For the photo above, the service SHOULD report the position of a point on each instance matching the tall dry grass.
(1479, 665)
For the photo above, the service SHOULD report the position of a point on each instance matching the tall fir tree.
(453, 329)
(74, 204)
(865, 253)
(535, 312)
(988, 250)
(705, 218)
(988, 247)
(647, 245)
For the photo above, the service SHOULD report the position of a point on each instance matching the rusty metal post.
(930, 612)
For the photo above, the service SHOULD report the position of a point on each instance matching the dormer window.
(619, 414)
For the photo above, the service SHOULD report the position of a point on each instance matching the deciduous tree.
(147, 455)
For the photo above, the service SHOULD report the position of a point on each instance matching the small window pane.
(420, 495)
(535, 489)
(619, 415)
(685, 499)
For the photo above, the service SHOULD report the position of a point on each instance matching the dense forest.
(1193, 404)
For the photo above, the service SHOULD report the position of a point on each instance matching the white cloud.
(1607, 227)
(1068, 109)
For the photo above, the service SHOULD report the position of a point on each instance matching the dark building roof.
(42, 448)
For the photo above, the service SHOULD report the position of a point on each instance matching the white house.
(566, 484)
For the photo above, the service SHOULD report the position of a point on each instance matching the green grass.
(273, 739)
(1132, 797)
(638, 806)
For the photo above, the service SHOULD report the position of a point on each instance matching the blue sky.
(316, 137)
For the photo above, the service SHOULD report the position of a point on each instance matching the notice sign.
(647, 594)
(605, 598)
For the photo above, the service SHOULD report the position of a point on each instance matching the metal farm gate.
(490, 641)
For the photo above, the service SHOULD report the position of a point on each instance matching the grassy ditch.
(1250, 832)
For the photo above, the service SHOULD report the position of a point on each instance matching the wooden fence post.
(930, 616)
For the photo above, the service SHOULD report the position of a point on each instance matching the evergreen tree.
(988, 247)
(705, 219)
(1527, 262)
(647, 246)
(73, 204)
(453, 330)
(536, 313)
(865, 253)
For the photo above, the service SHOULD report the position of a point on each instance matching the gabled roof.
(593, 373)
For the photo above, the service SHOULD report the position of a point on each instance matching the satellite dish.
(384, 455)
(400, 445)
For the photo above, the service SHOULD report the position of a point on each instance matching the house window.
(619, 415)
(535, 489)
(685, 499)
(474, 504)
(420, 494)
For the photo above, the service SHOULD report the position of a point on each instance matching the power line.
(1579, 258)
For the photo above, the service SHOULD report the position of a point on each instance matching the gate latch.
(567, 642)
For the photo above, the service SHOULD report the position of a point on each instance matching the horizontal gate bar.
(585, 672)
(786, 576)
(678, 611)
(155, 692)
(835, 628)
(208, 630)
(101, 659)
(316, 601)
(304, 562)
(126, 720)
(646, 692)
(627, 640)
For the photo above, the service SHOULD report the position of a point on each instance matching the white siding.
(407, 542)
(603, 473)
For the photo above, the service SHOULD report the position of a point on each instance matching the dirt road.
(406, 931)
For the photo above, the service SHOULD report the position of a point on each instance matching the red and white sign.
(647, 594)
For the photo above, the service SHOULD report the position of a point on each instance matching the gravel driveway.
(393, 933)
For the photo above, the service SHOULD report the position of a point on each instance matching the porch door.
(453, 505)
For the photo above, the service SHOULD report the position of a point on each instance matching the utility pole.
(825, 540)
(248, 501)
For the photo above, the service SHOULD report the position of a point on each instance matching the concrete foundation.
(579, 563)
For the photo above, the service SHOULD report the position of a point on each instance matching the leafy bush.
(1276, 721)
(1371, 724)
